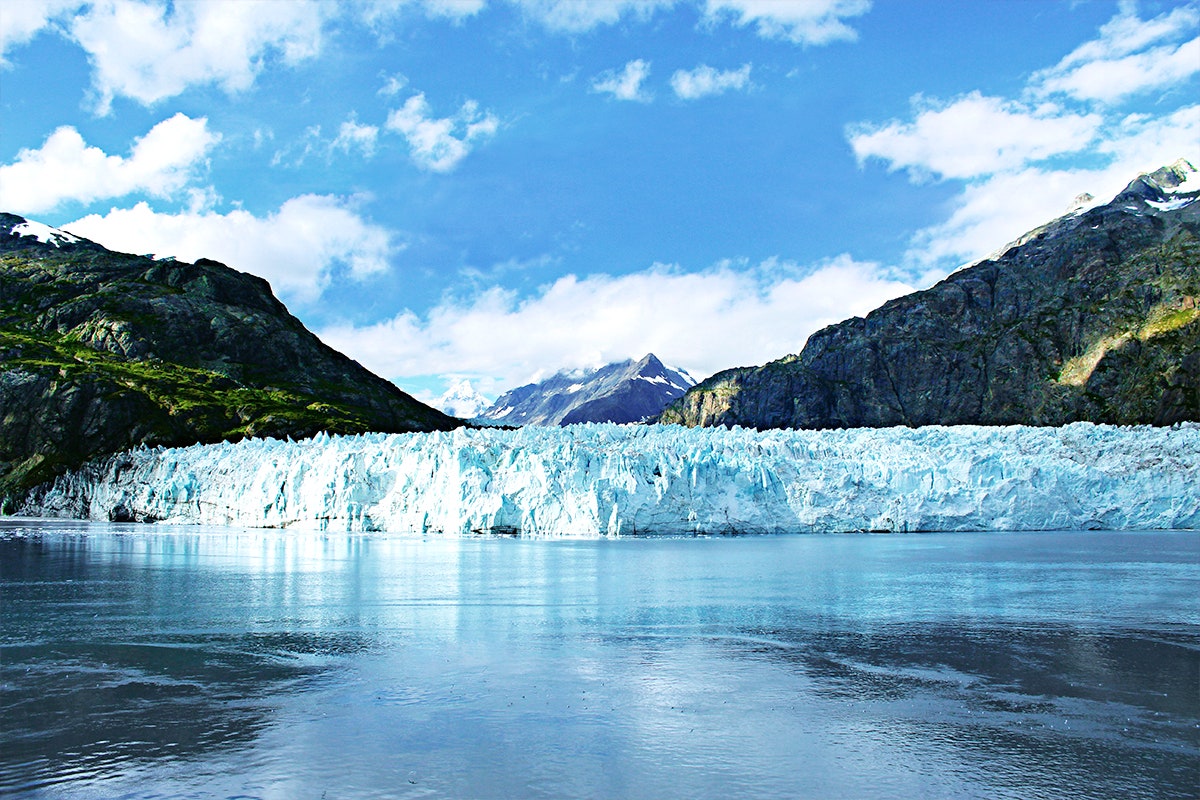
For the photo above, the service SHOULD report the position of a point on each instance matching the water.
(138, 662)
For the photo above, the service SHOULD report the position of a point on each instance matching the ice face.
(609, 480)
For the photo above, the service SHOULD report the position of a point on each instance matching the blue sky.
(499, 189)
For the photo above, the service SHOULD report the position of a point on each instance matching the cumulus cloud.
(1130, 55)
(297, 248)
(685, 318)
(21, 21)
(705, 80)
(1023, 160)
(149, 51)
(439, 144)
(354, 136)
(995, 210)
(66, 169)
(974, 135)
(807, 22)
(626, 84)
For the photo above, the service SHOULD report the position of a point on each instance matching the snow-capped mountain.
(628, 391)
(462, 400)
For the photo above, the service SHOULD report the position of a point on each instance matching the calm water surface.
(151, 662)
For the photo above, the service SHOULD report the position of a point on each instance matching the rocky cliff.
(103, 351)
(1092, 317)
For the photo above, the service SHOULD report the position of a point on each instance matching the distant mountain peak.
(462, 400)
(624, 391)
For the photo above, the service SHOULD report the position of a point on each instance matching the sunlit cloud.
(684, 317)
(149, 51)
(1024, 160)
(297, 248)
(704, 81)
(626, 84)
(66, 169)
(438, 144)
(21, 21)
(354, 136)
(807, 22)
(974, 135)
(1130, 55)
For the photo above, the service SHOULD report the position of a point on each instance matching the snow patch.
(462, 400)
(1191, 180)
(609, 480)
(44, 233)
(1171, 205)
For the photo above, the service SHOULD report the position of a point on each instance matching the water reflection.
(218, 663)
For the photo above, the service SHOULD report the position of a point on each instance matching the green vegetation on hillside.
(103, 351)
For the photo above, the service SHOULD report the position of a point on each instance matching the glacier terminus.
(615, 480)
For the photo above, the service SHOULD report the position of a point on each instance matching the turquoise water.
(150, 662)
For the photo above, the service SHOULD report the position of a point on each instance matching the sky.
(500, 189)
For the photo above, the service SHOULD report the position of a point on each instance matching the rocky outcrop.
(1092, 317)
(103, 351)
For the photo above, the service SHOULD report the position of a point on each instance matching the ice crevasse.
(611, 480)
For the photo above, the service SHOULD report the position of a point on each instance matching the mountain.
(103, 351)
(1091, 317)
(628, 391)
(462, 400)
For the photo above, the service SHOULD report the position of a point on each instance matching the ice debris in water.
(606, 480)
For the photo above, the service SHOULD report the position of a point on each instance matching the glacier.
(616, 480)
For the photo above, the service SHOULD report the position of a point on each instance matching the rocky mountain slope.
(628, 391)
(1092, 317)
(103, 351)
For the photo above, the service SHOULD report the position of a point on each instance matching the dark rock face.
(103, 351)
(629, 391)
(1093, 317)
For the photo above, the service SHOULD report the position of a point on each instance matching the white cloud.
(21, 20)
(297, 248)
(705, 80)
(685, 318)
(1120, 62)
(579, 16)
(1112, 79)
(393, 85)
(439, 144)
(626, 84)
(996, 210)
(378, 13)
(65, 168)
(808, 22)
(1022, 162)
(974, 135)
(149, 51)
(352, 135)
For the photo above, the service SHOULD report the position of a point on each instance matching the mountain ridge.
(102, 351)
(1092, 316)
(622, 392)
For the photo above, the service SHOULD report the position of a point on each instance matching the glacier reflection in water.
(143, 662)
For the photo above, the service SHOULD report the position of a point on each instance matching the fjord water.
(189, 662)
